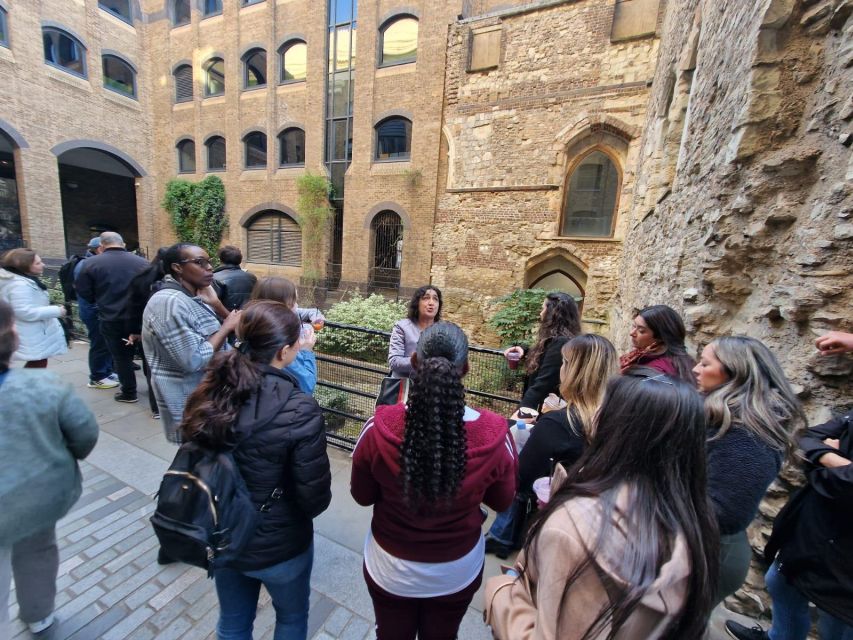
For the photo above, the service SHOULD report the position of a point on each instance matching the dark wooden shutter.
(184, 83)
(274, 238)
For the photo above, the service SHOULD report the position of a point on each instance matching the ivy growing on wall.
(197, 210)
(313, 214)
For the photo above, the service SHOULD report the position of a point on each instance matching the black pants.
(114, 333)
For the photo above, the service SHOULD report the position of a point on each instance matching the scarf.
(631, 358)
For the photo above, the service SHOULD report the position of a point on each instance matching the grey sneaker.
(106, 383)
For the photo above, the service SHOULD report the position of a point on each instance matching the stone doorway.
(557, 271)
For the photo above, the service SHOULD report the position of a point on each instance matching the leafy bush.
(332, 399)
(373, 312)
(517, 318)
(314, 214)
(198, 211)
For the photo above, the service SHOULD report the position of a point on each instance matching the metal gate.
(387, 242)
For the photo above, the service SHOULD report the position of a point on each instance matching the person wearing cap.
(101, 374)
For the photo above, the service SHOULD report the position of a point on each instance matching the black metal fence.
(352, 361)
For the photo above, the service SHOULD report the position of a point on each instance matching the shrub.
(373, 312)
(198, 211)
(517, 318)
(332, 399)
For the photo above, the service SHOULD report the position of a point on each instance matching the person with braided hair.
(426, 467)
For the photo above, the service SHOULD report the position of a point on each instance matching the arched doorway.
(98, 191)
(386, 240)
(11, 235)
(557, 270)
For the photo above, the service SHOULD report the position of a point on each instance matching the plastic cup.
(542, 489)
(512, 359)
(317, 323)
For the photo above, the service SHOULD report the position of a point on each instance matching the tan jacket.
(527, 608)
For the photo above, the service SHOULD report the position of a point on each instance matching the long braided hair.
(433, 454)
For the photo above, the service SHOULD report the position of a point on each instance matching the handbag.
(393, 391)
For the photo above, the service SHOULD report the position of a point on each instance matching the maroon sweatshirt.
(432, 535)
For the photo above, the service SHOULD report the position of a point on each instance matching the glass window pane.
(181, 13)
(215, 77)
(338, 169)
(341, 93)
(591, 197)
(64, 51)
(186, 156)
(343, 11)
(4, 35)
(216, 153)
(120, 8)
(400, 41)
(342, 53)
(394, 139)
(119, 76)
(212, 7)
(339, 150)
(294, 62)
(292, 145)
(256, 69)
(256, 150)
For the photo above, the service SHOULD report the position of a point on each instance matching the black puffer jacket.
(282, 443)
(234, 285)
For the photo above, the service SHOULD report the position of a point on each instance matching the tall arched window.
(398, 41)
(4, 28)
(183, 83)
(119, 76)
(180, 12)
(215, 146)
(214, 77)
(394, 139)
(186, 156)
(274, 237)
(119, 8)
(592, 194)
(387, 248)
(293, 61)
(291, 144)
(64, 50)
(254, 68)
(255, 144)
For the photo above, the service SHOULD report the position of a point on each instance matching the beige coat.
(527, 608)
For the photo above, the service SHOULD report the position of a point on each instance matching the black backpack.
(66, 278)
(205, 515)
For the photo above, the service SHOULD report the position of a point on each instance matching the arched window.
(398, 41)
(119, 8)
(119, 76)
(183, 83)
(215, 146)
(4, 28)
(64, 51)
(291, 144)
(180, 12)
(592, 194)
(293, 61)
(274, 237)
(214, 77)
(211, 7)
(186, 156)
(394, 139)
(387, 248)
(254, 68)
(255, 144)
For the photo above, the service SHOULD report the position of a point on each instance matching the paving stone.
(149, 556)
(164, 616)
(94, 562)
(133, 541)
(143, 633)
(129, 556)
(203, 605)
(357, 628)
(80, 511)
(75, 548)
(112, 506)
(175, 589)
(204, 626)
(106, 543)
(67, 565)
(95, 525)
(175, 630)
(101, 624)
(172, 572)
(197, 590)
(131, 622)
(120, 493)
(127, 586)
(318, 612)
(142, 595)
(78, 603)
(122, 520)
(79, 586)
(337, 620)
(322, 635)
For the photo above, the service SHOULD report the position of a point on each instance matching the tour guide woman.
(424, 311)
(247, 402)
(657, 335)
(426, 467)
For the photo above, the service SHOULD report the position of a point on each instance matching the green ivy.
(517, 318)
(313, 214)
(198, 211)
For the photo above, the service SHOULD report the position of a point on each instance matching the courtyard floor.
(110, 586)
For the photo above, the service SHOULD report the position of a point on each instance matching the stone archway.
(557, 270)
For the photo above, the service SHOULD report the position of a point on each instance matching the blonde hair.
(589, 361)
(756, 396)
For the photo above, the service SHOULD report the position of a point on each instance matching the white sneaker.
(106, 383)
(41, 625)
(113, 376)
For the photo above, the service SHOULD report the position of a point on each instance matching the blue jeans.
(100, 360)
(791, 612)
(289, 586)
(501, 529)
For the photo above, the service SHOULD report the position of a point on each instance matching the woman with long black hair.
(246, 403)
(426, 467)
(657, 335)
(424, 311)
(627, 547)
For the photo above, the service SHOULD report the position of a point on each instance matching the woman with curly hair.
(426, 467)
(559, 322)
(752, 413)
(657, 335)
(424, 311)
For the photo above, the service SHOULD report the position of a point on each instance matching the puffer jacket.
(282, 443)
(39, 333)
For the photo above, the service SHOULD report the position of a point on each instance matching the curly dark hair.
(433, 454)
(562, 318)
(416, 298)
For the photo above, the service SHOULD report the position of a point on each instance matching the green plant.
(313, 214)
(198, 211)
(517, 317)
(373, 312)
(332, 399)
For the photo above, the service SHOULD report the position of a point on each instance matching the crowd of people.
(628, 499)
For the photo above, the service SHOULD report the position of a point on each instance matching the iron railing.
(352, 361)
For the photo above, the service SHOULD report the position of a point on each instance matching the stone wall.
(743, 198)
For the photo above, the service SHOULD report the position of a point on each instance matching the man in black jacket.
(234, 285)
(104, 280)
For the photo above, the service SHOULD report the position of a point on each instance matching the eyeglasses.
(204, 263)
(659, 378)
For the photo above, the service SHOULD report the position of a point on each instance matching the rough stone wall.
(511, 135)
(741, 214)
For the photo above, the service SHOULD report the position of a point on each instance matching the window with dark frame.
(186, 156)
(398, 41)
(247, 3)
(214, 77)
(183, 83)
(254, 69)
(293, 61)
(181, 12)
(592, 195)
(291, 144)
(274, 237)
(394, 139)
(255, 144)
(119, 8)
(4, 28)
(64, 51)
(119, 76)
(212, 7)
(215, 153)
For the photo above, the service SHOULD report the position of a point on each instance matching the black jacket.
(813, 534)
(234, 285)
(546, 379)
(282, 443)
(104, 280)
(552, 437)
